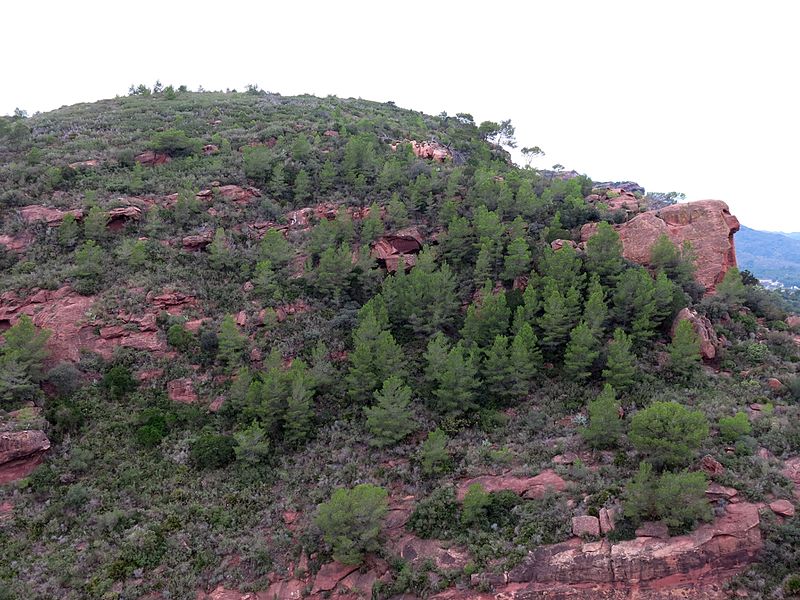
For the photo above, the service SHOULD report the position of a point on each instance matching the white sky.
(699, 96)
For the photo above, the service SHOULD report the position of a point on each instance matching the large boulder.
(707, 224)
(52, 216)
(20, 453)
(709, 340)
(529, 487)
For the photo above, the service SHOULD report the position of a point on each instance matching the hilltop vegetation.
(351, 303)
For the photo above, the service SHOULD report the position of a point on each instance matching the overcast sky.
(700, 97)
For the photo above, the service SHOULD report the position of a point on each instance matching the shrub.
(179, 337)
(475, 506)
(668, 433)
(351, 521)
(212, 451)
(733, 428)
(175, 142)
(119, 382)
(65, 378)
(433, 455)
(436, 516)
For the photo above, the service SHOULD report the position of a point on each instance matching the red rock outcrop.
(117, 217)
(18, 242)
(68, 316)
(586, 525)
(528, 487)
(198, 241)
(709, 340)
(403, 244)
(431, 150)
(20, 453)
(707, 224)
(782, 508)
(52, 216)
(182, 390)
(688, 566)
(151, 159)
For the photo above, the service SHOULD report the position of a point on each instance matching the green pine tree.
(684, 350)
(605, 425)
(390, 420)
(231, 343)
(517, 260)
(620, 361)
(299, 411)
(581, 353)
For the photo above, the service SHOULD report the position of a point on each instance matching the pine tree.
(219, 254)
(68, 231)
(517, 259)
(497, 370)
(390, 420)
(455, 393)
(620, 361)
(276, 249)
(95, 223)
(605, 425)
(433, 454)
(375, 357)
(635, 304)
(528, 311)
(435, 362)
(564, 268)
(299, 412)
(26, 345)
(731, 291)
(327, 176)
(231, 343)
(302, 187)
(558, 317)
(458, 243)
(595, 311)
(525, 360)
(486, 319)
(684, 350)
(15, 383)
(265, 281)
(252, 444)
(372, 226)
(664, 293)
(277, 181)
(335, 264)
(581, 352)
(604, 253)
(485, 263)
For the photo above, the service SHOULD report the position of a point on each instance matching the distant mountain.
(769, 255)
(794, 235)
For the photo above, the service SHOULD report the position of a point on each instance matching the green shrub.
(351, 521)
(668, 433)
(733, 428)
(433, 456)
(179, 337)
(212, 451)
(65, 378)
(175, 142)
(475, 506)
(119, 382)
(436, 516)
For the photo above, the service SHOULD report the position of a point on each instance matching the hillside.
(769, 255)
(259, 346)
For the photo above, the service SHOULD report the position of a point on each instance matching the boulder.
(793, 321)
(182, 390)
(791, 470)
(716, 492)
(209, 149)
(707, 224)
(198, 241)
(431, 150)
(586, 526)
(52, 216)
(711, 466)
(782, 508)
(709, 341)
(608, 517)
(774, 385)
(20, 453)
(237, 194)
(400, 246)
(117, 217)
(150, 158)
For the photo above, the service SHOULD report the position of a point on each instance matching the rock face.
(529, 487)
(69, 316)
(687, 566)
(20, 453)
(431, 150)
(707, 224)
(182, 390)
(709, 340)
